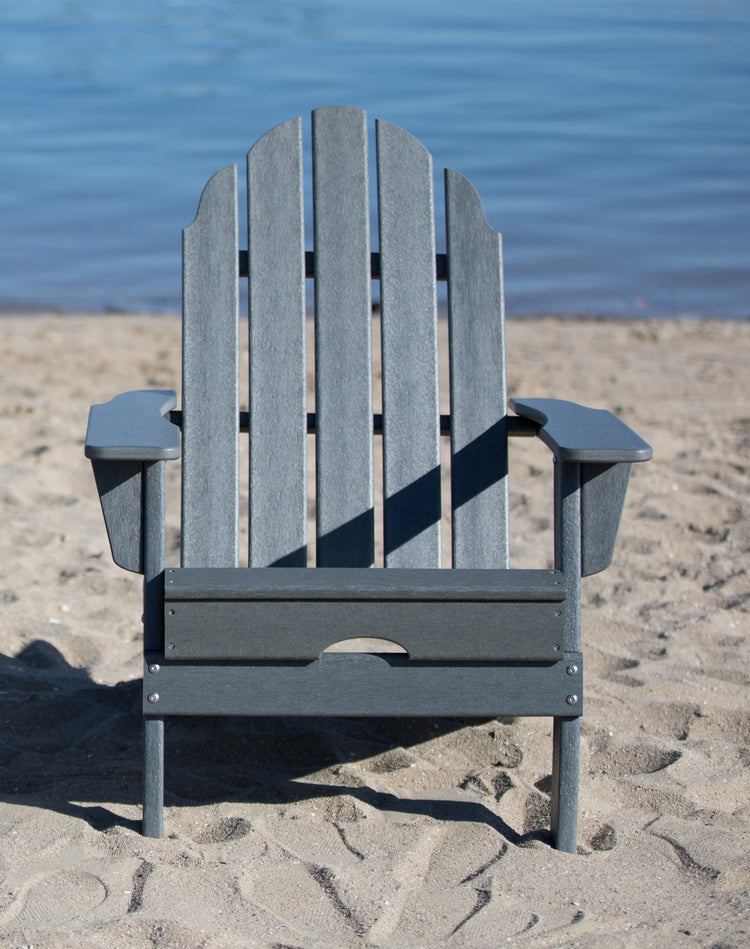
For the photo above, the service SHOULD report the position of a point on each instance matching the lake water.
(609, 139)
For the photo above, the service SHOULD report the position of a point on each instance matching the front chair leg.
(566, 755)
(153, 777)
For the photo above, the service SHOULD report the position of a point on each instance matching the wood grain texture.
(366, 685)
(211, 397)
(411, 426)
(343, 342)
(276, 301)
(479, 461)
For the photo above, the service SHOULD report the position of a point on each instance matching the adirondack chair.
(481, 639)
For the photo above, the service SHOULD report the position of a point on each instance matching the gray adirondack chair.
(481, 639)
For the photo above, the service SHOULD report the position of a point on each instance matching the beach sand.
(397, 834)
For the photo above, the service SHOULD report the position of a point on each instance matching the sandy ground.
(403, 834)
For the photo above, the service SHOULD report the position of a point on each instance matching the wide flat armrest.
(132, 427)
(577, 433)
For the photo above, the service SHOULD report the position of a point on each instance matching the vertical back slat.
(479, 460)
(411, 425)
(276, 301)
(210, 378)
(343, 374)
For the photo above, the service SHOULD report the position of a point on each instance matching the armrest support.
(132, 427)
(605, 448)
(126, 436)
(577, 433)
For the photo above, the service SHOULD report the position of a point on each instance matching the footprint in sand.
(228, 828)
(704, 850)
(604, 838)
(48, 900)
(621, 758)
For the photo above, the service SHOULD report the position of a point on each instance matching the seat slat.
(355, 584)
(436, 615)
(468, 631)
(343, 374)
(408, 303)
(358, 684)
(210, 314)
(479, 461)
(276, 307)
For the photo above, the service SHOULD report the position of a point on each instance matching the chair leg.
(153, 640)
(153, 777)
(566, 755)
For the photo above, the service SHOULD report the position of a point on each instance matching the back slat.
(211, 399)
(276, 300)
(479, 460)
(343, 374)
(411, 428)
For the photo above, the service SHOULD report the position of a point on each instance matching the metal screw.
(154, 668)
(573, 670)
(153, 698)
(571, 699)
(171, 645)
(556, 647)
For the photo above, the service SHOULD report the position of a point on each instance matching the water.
(610, 141)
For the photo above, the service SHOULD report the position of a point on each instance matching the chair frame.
(198, 656)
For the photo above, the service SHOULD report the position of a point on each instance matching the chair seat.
(297, 613)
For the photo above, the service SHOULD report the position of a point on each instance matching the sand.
(401, 834)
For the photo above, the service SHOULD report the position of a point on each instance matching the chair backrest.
(343, 266)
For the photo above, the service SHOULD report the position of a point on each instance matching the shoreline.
(21, 311)
(321, 834)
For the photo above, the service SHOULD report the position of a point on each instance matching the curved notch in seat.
(367, 644)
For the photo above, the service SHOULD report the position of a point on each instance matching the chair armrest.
(123, 437)
(605, 448)
(577, 433)
(132, 427)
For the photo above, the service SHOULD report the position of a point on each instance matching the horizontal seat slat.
(296, 614)
(365, 685)
(323, 583)
(303, 629)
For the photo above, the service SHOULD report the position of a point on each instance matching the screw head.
(573, 669)
(571, 700)
(154, 668)
(153, 698)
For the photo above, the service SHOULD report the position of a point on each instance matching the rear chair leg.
(566, 755)
(153, 777)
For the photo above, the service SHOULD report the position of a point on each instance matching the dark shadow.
(74, 746)
(296, 558)
(351, 545)
(414, 508)
(480, 464)
(411, 510)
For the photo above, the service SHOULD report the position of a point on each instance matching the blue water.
(609, 139)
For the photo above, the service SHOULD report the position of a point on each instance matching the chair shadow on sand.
(74, 746)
